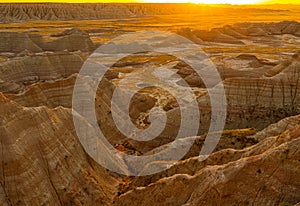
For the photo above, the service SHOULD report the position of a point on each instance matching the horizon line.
(140, 2)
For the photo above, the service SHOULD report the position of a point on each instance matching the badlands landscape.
(255, 51)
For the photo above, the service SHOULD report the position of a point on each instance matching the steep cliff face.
(26, 70)
(49, 94)
(259, 101)
(43, 162)
(234, 145)
(18, 42)
(251, 102)
(47, 153)
(19, 12)
(272, 97)
(258, 177)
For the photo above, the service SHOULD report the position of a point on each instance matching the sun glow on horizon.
(232, 2)
(225, 1)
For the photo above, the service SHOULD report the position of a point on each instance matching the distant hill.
(56, 11)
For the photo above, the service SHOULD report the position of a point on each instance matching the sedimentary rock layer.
(21, 12)
(26, 70)
(71, 41)
(43, 162)
(263, 174)
(236, 33)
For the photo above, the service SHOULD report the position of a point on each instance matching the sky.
(169, 1)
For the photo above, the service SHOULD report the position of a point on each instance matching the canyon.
(43, 161)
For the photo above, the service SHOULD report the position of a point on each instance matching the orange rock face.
(256, 162)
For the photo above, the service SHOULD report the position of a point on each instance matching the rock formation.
(56, 11)
(47, 154)
(17, 42)
(56, 165)
(236, 33)
(256, 161)
(264, 177)
(72, 41)
(26, 70)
